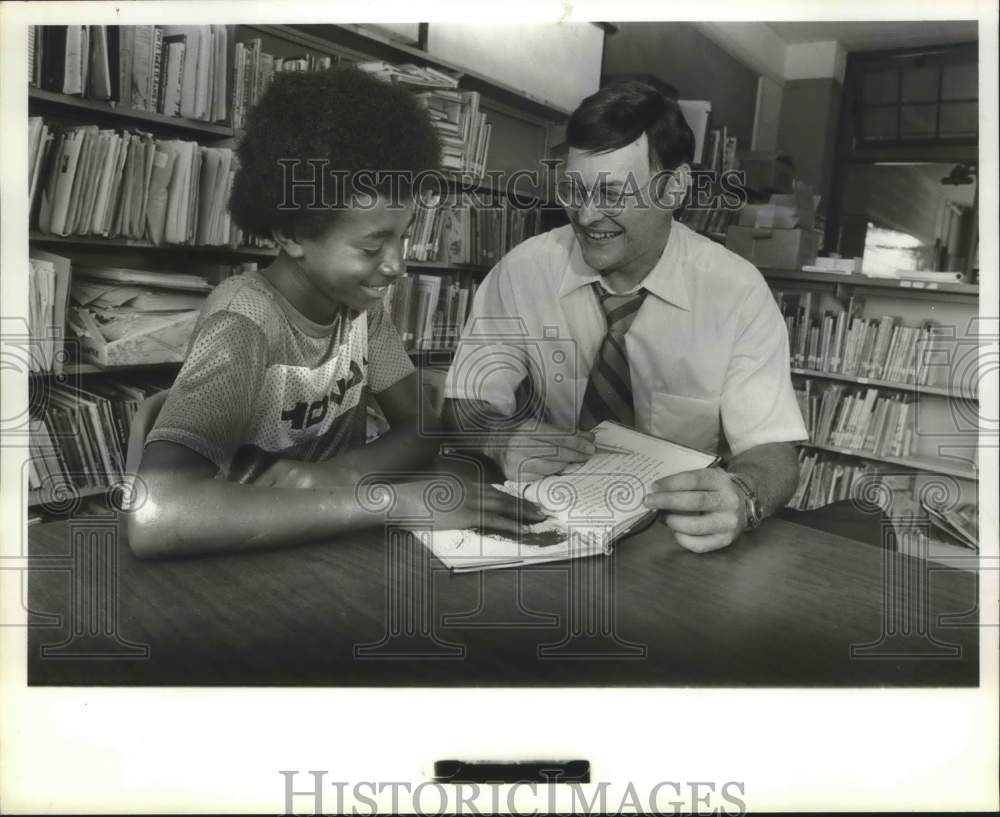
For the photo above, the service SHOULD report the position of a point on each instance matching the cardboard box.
(768, 171)
(777, 249)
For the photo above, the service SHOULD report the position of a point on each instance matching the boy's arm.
(181, 509)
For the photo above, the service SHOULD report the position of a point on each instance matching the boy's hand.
(486, 507)
(540, 450)
(704, 508)
(474, 505)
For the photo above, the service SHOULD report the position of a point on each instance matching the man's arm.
(527, 451)
(706, 510)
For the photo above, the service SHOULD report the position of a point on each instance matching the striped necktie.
(609, 389)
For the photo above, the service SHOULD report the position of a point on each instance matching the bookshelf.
(909, 463)
(916, 388)
(939, 383)
(840, 282)
(523, 134)
(94, 110)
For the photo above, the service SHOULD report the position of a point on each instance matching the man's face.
(359, 255)
(622, 231)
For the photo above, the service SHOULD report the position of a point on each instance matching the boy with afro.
(261, 441)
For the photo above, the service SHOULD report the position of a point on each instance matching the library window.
(918, 99)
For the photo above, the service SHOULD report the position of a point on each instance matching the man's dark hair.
(351, 121)
(621, 112)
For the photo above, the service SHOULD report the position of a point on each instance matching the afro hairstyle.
(347, 120)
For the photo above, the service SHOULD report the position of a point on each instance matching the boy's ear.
(292, 248)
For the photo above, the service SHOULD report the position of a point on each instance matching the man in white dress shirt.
(626, 314)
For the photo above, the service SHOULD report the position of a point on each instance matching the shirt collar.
(665, 280)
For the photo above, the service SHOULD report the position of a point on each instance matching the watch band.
(754, 511)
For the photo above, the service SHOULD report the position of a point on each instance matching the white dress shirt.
(708, 350)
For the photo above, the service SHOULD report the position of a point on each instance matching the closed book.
(117, 179)
(75, 66)
(204, 78)
(140, 66)
(100, 67)
(155, 96)
(175, 49)
(65, 172)
(126, 54)
(53, 57)
(156, 206)
(220, 56)
(191, 36)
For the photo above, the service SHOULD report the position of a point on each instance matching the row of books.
(482, 235)
(452, 229)
(858, 419)
(93, 182)
(824, 480)
(462, 128)
(719, 156)
(171, 69)
(81, 434)
(429, 310)
(845, 343)
(254, 70)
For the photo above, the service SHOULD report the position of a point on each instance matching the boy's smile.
(350, 264)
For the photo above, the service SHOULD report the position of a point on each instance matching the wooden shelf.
(39, 99)
(834, 278)
(139, 244)
(886, 384)
(931, 466)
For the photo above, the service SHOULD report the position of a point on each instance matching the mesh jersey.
(262, 382)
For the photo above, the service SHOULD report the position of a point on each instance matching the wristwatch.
(751, 502)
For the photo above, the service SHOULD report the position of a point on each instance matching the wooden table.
(784, 606)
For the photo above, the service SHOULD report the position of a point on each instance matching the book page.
(609, 487)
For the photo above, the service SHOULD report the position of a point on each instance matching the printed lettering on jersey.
(301, 404)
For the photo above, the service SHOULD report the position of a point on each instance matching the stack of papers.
(131, 317)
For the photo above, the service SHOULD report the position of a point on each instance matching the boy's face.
(359, 255)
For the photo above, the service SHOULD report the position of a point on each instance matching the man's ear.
(675, 186)
(287, 242)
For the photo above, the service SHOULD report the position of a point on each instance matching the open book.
(590, 505)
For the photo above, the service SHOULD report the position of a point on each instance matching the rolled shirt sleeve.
(491, 360)
(758, 403)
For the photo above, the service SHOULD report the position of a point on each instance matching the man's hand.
(703, 508)
(536, 452)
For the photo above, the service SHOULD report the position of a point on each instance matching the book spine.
(154, 94)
